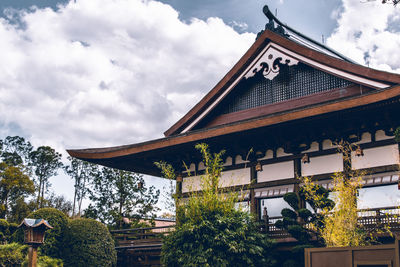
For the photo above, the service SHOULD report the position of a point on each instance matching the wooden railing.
(151, 237)
(140, 238)
(372, 220)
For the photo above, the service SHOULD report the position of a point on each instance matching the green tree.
(45, 162)
(211, 232)
(298, 217)
(116, 194)
(15, 150)
(14, 185)
(58, 202)
(340, 226)
(81, 171)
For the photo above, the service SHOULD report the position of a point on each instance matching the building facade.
(279, 113)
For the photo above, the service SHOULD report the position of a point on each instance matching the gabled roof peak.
(292, 34)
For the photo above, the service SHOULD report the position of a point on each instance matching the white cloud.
(100, 72)
(368, 32)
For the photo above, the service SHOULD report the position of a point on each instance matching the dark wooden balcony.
(142, 246)
(377, 220)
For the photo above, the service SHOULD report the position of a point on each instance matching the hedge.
(88, 243)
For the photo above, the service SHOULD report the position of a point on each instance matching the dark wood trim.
(287, 105)
(297, 156)
(106, 153)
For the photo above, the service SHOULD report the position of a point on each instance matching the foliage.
(295, 219)
(58, 202)
(116, 194)
(80, 171)
(88, 243)
(46, 261)
(16, 255)
(45, 162)
(210, 231)
(20, 210)
(14, 184)
(397, 134)
(15, 150)
(340, 226)
(53, 245)
(12, 255)
(6, 230)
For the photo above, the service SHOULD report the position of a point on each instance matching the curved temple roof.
(369, 87)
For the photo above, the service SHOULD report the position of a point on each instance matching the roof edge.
(342, 104)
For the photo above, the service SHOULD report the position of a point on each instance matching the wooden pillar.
(297, 174)
(253, 200)
(32, 256)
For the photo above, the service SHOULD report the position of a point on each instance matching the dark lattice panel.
(292, 82)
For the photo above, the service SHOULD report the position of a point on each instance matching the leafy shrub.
(210, 231)
(4, 230)
(88, 243)
(45, 261)
(231, 239)
(13, 254)
(397, 134)
(16, 255)
(53, 242)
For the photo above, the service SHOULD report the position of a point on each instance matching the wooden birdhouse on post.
(34, 230)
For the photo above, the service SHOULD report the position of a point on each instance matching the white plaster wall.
(280, 152)
(239, 159)
(375, 157)
(228, 161)
(269, 154)
(235, 177)
(228, 178)
(276, 171)
(201, 166)
(365, 138)
(192, 168)
(327, 144)
(313, 147)
(192, 183)
(380, 135)
(322, 164)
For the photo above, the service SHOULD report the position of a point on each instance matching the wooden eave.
(259, 44)
(172, 144)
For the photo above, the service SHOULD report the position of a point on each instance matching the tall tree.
(14, 185)
(15, 150)
(80, 171)
(45, 162)
(58, 202)
(116, 194)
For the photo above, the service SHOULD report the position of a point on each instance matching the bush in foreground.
(210, 231)
(54, 239)
(16, 255)
(88, 243)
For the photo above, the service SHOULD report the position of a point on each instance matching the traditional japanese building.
(288, 99)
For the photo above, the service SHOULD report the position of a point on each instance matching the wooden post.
(32, 256)
(297, 175)
(253, 200)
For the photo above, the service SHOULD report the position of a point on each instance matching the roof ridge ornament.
(271, 24)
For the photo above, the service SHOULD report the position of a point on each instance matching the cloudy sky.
(95, 73)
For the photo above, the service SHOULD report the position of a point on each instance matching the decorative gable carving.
(269, 63)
